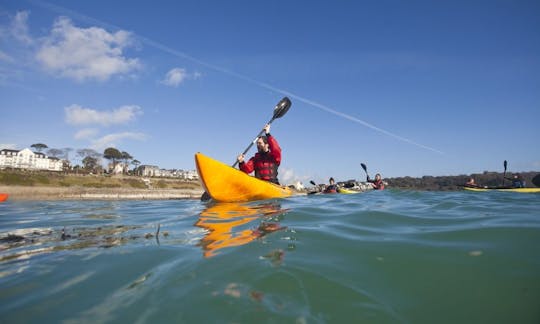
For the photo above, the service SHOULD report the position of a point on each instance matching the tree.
(126, 157)
(90, 163)
(82, 153)
(67, 150)
(136, 164)
(113, 154)
(55, 152)
(39, 146)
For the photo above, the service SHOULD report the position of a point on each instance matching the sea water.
(376, 257)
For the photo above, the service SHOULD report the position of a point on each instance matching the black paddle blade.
(536, 180)
(364, 166)
(205, 196)
(282, 107)
(505, 165)
(313, 183)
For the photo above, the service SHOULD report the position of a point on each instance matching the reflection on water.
(229, 224)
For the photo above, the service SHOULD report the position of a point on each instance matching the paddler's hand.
(240, 158)
(267, 129)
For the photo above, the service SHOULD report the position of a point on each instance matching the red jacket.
(266, 164)
(377, 185)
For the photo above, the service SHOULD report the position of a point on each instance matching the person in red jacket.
(266, 161)
(377, 184)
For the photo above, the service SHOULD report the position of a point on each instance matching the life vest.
(265, 167)
(331, 189)
(378, 185)
(266, 164)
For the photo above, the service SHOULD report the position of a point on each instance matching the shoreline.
(26, 193)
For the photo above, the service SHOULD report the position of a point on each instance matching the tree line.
(90, 159)
(456, 182)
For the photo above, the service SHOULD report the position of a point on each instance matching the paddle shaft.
(254, 141)
(504, 174)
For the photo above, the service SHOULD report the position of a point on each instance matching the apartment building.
(26, 159)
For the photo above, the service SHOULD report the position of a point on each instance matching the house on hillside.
(26, 159)
(147, 170)
(118, 168)
(155, 171)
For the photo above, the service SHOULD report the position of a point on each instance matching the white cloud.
(86, 53)
(288, 176)
(19, 28)
(86, 133)
(177, 76)
(77, 115)
(112, 140)
(174, 77)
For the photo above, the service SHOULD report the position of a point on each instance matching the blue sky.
(410, 88)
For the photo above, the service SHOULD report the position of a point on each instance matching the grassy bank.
(29, 185)
(55, 179)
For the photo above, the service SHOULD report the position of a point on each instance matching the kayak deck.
(227, 184)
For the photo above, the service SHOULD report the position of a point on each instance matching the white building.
(26, 159)
(155, 171)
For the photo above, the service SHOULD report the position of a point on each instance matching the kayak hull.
(523, 190)
(3, 196)
(347, 191)
(226, 184)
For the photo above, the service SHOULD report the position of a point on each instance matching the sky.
(410, 88)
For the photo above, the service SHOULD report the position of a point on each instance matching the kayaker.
(471, 183)
(266, 161)
(332, 187)
(517, 181)
(377, 184)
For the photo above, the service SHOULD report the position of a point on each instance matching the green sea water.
(377, 257)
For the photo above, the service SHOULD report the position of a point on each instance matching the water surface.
(377, 257)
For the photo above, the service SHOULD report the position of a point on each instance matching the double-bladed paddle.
(316, 186)
(505, 164)
(365, 168)
(279, 111)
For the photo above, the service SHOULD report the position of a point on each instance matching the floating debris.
(475, 253)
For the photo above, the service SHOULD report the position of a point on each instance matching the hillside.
(456, 182)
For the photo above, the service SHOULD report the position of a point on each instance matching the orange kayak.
(3, 197)
(227, 184)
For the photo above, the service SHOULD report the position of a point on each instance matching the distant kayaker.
(517, 181)
(471, 183)
(266, 161)
(377, 184)
(332, 187)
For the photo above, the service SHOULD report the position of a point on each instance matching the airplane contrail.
(167, 49)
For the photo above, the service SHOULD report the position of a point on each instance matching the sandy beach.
(82, 193)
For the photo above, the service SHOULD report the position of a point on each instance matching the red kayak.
(3, 197)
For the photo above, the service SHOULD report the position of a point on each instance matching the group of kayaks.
(226, 184)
